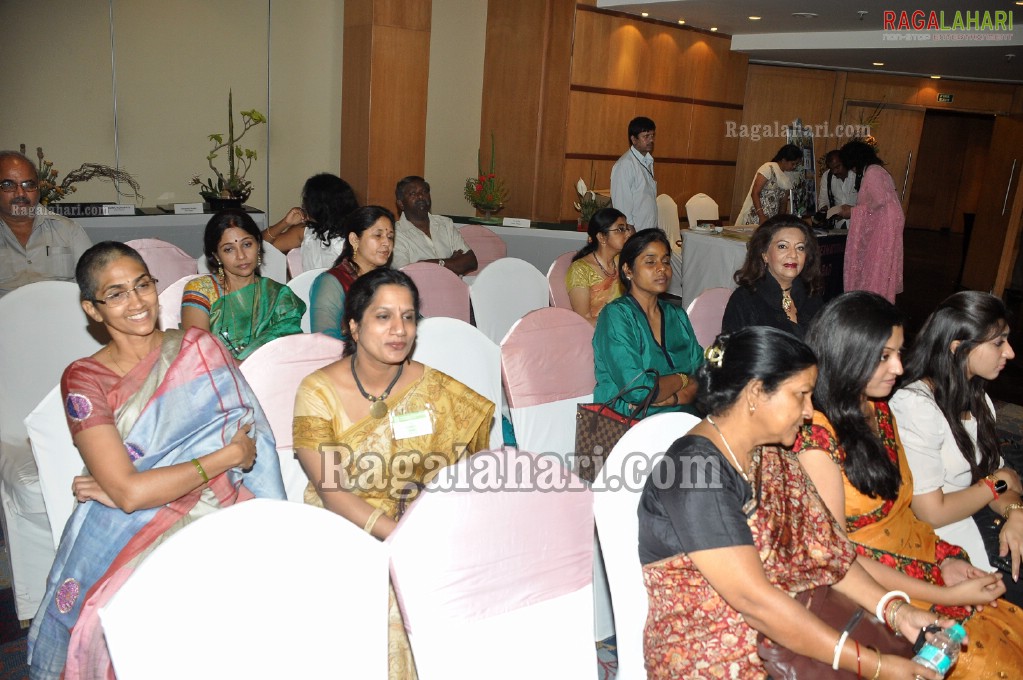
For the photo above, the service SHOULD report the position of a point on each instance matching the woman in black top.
(780, 283)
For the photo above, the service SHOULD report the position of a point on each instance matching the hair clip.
(714, 354)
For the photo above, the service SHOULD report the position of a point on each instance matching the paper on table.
(834, 211)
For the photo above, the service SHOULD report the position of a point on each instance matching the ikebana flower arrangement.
(51, 192)
(589, 201)
(486, 192)
(232, 187)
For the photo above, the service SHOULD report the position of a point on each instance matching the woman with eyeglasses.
(641, 331)
(243, 309)
(592, 280)
(169, 431)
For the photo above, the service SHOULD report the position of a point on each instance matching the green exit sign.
(945, 97)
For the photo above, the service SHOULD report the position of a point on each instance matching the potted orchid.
(232, 189)
(589, 202)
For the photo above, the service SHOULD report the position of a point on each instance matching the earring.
(356, 251)
(259, 261)
(220, 270)
(752, 408)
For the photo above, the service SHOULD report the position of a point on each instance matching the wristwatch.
(440, 262)
(998, 486)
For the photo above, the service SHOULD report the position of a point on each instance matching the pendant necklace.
(729, 449)
(786, 299)
(377, 409)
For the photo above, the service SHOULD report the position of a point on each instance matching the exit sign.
(945, 97)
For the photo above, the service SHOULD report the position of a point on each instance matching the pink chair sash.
(441, 291)
(556, 280)
(294, 258)
(706, 313)
(548, 356)
(166, 262)
(485, 244)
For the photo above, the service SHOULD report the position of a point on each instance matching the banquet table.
(184, 231)
(539, 247)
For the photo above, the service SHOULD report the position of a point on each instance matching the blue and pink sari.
(185, 400)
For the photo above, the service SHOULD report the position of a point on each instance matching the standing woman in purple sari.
(169, 431)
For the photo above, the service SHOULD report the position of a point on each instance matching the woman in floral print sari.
(853, 455)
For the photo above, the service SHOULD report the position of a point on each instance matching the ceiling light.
(804, 15)
(935, 77)
(754, 18)
(878, 63)
(644, 14)
(713, 28)
(681, 21)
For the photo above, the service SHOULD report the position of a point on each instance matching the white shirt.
(317, 256)
(412, 245)
(843, 189)
(634, 189)
(935, 459)
(51, 254)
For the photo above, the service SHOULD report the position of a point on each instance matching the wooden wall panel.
(598, 123)
(915, 91)
(355, 78)
(554, 108)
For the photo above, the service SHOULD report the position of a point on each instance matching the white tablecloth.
(184, 231)
(539, 247)
(709, 261)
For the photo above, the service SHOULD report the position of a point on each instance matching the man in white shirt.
(422, 237)
(633, 187)
(838, 186)
(35, 243)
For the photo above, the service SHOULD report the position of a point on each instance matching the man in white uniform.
(633, 187)
(838, 186)
(422, 237)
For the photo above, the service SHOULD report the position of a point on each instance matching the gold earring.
(259, 261)
(752, 408)
(220, 270)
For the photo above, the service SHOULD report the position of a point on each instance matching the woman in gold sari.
(592, 280)
(240, 307)
(375, 426)
(852, 453)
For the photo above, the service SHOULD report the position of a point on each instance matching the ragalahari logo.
(940, 25)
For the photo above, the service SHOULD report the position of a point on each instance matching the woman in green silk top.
(640, 331)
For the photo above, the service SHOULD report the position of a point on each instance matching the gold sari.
(385, 472)
(889, 532)
(603, 289)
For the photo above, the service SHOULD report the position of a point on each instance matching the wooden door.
(994, 244)
(897, 131)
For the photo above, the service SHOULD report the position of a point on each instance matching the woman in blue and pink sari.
(169, 431)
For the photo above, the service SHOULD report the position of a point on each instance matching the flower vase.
(487, 216)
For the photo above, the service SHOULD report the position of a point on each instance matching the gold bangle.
(1009, 508)
(685, 381)
(202, 473)
(877, 671)
(372, 520)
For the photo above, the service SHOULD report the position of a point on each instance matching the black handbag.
(598, 427)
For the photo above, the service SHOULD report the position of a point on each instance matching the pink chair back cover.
(556, 280)
(706, 312)
(294, 258)
(441, 291)
(504, 548)
(547, 356)
(166, 262)
(170, 302)
(487, 245)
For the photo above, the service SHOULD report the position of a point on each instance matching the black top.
(762, 307)
(693, 500)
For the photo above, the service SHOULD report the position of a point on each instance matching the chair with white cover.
(43, 330)
(166, 262)
(547, 365)
(274, 372)
(701, 208)
(294, 259)
(504, 292)
(240, 593)
(485, 571)
(556, 280)
(617, 489)
(274, 266)
(706, 312)
(454, 347)
(300, 286)
(56, 458)
(441, 291)
(487, 246)
(170, 302)
(667, 220)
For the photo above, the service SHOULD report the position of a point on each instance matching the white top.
(315, 255)
(843, 189)
(634, 189)
(936, 461)
(412, 245)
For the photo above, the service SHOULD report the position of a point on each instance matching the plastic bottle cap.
(956, 632)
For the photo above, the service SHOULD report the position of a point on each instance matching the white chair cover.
(484, 571)
(56, 458)
(615, 500)
(485, 244)
(294, 258)
(300, 285)
(166, 262)
(706, 313)
(275, 264)
(701, 208)
(463, 352)
(244, 593)
(556, 280)
(441, 291)
(43, 330)
(170, 303)
(504, 292)
(667, 220)
(274, 371)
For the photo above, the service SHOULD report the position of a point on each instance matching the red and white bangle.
(883, 602)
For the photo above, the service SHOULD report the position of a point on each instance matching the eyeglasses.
(9, 186)
(147, 287)
(624, 229)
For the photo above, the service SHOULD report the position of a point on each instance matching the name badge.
(414, 424)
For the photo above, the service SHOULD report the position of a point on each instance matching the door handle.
(905, 180)
(1008, 188)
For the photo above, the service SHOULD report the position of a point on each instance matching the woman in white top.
(769, 193)
(947, 425)
(316, 227)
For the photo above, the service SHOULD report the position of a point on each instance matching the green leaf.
(219, 139)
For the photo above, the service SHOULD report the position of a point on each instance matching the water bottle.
(942, 650)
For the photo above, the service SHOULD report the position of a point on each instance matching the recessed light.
(644, 14)
(804, 15)
(754, 18)
(878, 63)
(713, 28)
(681, 21)
(1019, 2)
(935, 77)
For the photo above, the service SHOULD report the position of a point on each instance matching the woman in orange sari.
(853, 455)
(592, 280)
